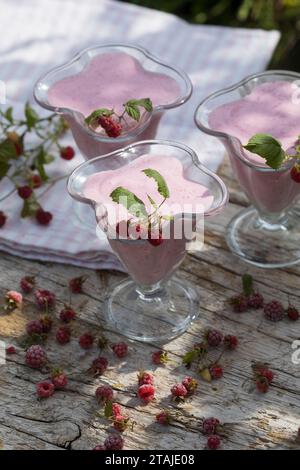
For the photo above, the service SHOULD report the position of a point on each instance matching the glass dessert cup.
(151, 306)
(266, 234)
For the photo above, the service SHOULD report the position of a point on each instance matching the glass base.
(263, 243)
(156, 316)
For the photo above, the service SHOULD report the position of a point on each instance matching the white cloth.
(36, 35)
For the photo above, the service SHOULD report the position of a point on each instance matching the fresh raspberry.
(86, 341)
(35, 357)
(146, 392)
(292, 313)
(214, 338)
(160, 357)
(266, 373)
(24, 192)
(34, 327)
(45, 299)
(43, 217)
(255, 301)
(116, 409)
(231, 342)
(239, 303)
(213, 442)
(13, 299)
(27, 284)
(216, 371)
(99, 447)
(155, 239)
(120, 423)
(99, 365)
(11, 350)
(190, 384)
(104, 393)
(59, 379)
(3, 219)
(163, 417)
(63, 335)
(67, 314)
(274, 311)
(210, 425)
(179, 391)
(36, 181)
(67, 153)
(114, 442)
(76, 284)
(120, 349)
(295, 173)
(145, 378)
(262, 384)
(111, 127)
(45, 389)
(46, 322)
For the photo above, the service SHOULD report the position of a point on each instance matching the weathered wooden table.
(70, 419)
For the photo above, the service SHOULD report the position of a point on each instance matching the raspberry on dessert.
(292, 313)
(76, 284)
(86, 341)
(190, 384)
(155, 239)
(104, 393)
(45, 299)
(213, 442)
(36, 181)
(216, 371)
(146, 392)
(274, 311)
(10, 350)
(262, 384)
(179, 391)
(295, 173)
(99, 447)
(67, 153)
(145, 378)
(27, 284)
(114, 442)
(46, 322)
(35, 357)
(120, 349)
(160, 357)
(163, 417)
(231, 342)
(59, 379)
(214, 338)
(111, 127)
(3, 219)
(99, 365)
(63, 335)
(45, 389)
(67, 314)
(24, 192)
(43, 217)
(34, 327)
(210, 425)
(239, 303)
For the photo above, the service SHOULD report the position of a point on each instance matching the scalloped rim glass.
(276, 229)
(80, 61)
(161, 311)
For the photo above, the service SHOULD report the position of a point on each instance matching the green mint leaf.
(30, 206)
(133, 204)
(152, 202)
(267, 147)
(189, 357)
(132, 111)
(9, 114)
(31, 116)
(162, 186)
(247, 281)
(132, 107)
(94, 116)
(4, 167)
(7, 150)
(108, 410)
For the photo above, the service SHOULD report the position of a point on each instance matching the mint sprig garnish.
(129, 200)
(132, 107)
(162, 187)
(94, 116)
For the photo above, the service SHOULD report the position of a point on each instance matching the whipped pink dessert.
(270, 108)
(149, 262)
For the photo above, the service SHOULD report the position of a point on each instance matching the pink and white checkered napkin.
(39, 34)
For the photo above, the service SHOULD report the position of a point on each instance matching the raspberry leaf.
(268, 148)
(7, 150)
(9, 114)
(4, 167)
(247, 281)
(108, 410)
(94, 116)
(31, 116)
(30, 206)
(162, 186)
(133, 204)
(41, 160)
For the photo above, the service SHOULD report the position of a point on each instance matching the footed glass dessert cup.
(76, 88)
(267, 234)
(151, 305)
